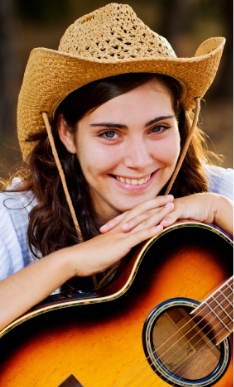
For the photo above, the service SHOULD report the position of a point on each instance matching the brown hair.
(50, 223)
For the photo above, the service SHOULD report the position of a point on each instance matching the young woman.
(107, 126)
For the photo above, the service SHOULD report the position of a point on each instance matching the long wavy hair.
(50, 224)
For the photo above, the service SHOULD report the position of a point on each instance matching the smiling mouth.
(133, 181)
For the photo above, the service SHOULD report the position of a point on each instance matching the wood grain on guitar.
(115, 338)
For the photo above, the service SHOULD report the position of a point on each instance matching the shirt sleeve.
(11, 258)
(220, 180)
(15, 253)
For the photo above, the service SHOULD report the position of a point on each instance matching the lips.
(135, 181)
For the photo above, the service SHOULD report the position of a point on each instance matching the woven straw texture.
(106, 42)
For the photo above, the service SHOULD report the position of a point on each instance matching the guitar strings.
(189, 360)
(162, 354)
(197, 333)
(166, 380)
(213, 345)
(200, 359)
(204, 318)
(197, 351)
(195, 355)
(147, 358)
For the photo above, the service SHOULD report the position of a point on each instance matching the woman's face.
(128, 148)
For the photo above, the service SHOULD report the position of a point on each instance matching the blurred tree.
(184, 21)
(43, 11)
(224, 86)
(8, 65)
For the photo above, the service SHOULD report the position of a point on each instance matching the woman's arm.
(24, 289)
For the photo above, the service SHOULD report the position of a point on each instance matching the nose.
(137, 154)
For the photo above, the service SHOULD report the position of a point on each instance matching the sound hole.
(181, 349)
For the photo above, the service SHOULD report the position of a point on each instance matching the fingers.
(155, 203)
(197, 207)
(112, 223)
(138, 211)
(136, 237)
(148, 218)
(104, 248)
(143, 222)
(169, 220)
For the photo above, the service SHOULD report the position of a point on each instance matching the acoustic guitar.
(164, 319)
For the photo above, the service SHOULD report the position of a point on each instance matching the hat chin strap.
(186, 145)
(64, 184)
(62, 176)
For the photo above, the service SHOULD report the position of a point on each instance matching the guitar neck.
(217, 311)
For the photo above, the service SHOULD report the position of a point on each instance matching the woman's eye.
(109, 134)
(158, 129)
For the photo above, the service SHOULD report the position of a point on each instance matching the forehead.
(151, 98)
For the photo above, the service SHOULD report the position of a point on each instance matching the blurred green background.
(27, 24)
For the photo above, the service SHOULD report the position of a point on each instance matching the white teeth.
(133, 181)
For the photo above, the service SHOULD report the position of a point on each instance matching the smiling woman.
(107, 126)
(133, 161)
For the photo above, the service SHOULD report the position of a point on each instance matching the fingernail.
(168, 205)
(159, 227)
(170, 196)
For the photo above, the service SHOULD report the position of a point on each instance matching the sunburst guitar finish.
(140, 329)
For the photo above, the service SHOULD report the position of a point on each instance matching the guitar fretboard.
(217, 311)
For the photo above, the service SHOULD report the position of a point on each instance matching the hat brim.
(52, 75)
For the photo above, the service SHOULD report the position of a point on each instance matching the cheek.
(174, 148)
(175, 144)
(96, 160)
(168, 151)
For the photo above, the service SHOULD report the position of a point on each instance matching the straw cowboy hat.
(109, 41)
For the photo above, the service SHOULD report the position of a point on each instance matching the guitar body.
(99, 340)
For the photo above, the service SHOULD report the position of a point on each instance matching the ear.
(65, 135)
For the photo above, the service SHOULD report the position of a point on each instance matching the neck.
(217, 311)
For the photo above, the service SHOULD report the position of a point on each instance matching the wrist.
(223, 213)
(76, 261)
(64, 263)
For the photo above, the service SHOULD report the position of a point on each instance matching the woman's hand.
(202, 207)
(150, 212)
(208, 208)
(103, 251)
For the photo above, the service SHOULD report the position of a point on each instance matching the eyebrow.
(157, 119)
(121, 126)
(109, 125)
